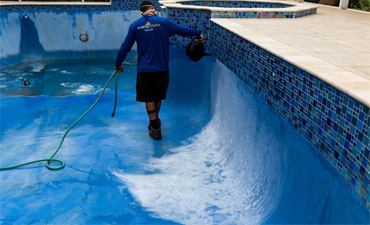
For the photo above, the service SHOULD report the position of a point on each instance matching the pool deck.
(333, 44)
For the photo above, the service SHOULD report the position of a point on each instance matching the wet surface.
(225, 157)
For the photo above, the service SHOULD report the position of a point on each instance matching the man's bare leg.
(154, 126)
(158, 107)
(151, 110)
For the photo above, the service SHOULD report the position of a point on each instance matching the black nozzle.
(25, 82)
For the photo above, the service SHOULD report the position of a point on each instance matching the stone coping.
(295, 6)
(6, 3)
(341, 78)
(350, 83)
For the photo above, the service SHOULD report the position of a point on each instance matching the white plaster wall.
(10, 31)
(60, 31)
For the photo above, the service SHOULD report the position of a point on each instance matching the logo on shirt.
(148, 26)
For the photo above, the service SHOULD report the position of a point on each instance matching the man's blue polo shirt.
(152, 35)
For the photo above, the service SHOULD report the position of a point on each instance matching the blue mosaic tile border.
(237, 4)
(337, 125)
(194, 18)
(305, 13)
(200, 19)
(231, 14)
(115, 5)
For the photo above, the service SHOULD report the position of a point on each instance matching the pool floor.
(225, 157)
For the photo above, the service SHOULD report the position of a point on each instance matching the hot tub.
(244, 9)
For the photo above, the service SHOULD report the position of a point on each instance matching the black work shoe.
(150, 124)
(155, 133)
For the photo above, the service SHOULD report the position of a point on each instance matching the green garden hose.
(115, 98)
(65, 134)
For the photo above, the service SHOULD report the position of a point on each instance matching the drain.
(84, 37)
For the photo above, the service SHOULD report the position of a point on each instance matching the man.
(152, 34)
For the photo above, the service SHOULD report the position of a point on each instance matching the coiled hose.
(51, 159)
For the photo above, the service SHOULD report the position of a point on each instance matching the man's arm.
(125, 48)
(182, 30)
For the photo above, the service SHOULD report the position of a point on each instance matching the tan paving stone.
(333, 44)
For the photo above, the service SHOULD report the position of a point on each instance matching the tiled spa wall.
(194, 18)
(237, 4)
(335, 123)
(276, 15)
(200, 19)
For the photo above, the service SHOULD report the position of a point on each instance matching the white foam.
(197, 186)
(82, 89)
(53, 70)
(71, 85)
(65, 72)
(220, 176)
(37, 67)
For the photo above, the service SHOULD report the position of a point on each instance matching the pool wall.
(29, 38)
(26, 37)
(335, 123)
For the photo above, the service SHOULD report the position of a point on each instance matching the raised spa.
(243, 9)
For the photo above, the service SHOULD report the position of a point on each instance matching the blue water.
(225, 157)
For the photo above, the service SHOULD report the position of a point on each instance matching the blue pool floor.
(225, 157)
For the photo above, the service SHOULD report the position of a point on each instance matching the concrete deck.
(333, 44)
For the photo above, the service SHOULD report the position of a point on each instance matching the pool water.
(225, 157)
(61, 78)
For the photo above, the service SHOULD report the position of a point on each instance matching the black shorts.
(151, 86)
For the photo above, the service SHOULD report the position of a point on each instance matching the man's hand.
(201, 38)
(121, 69)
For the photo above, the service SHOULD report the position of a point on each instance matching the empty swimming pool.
(225, 157)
